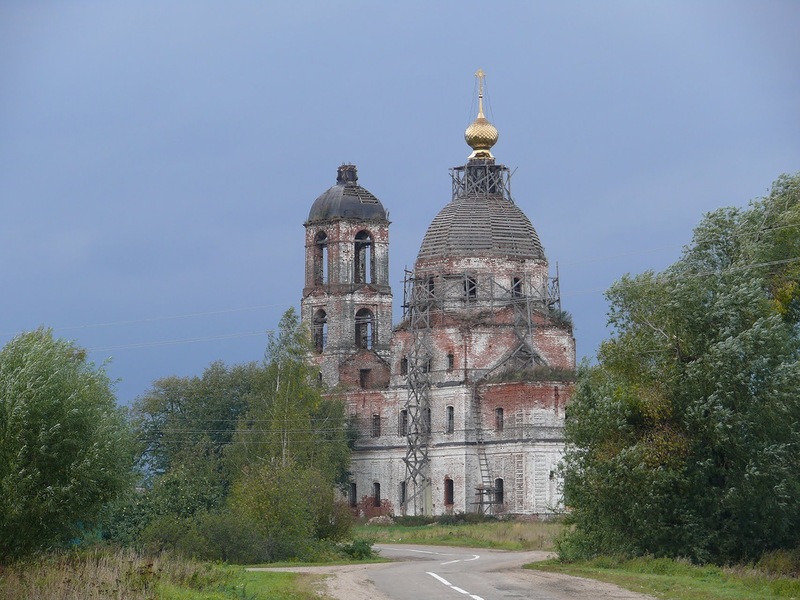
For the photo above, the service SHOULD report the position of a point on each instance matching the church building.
(460, 406)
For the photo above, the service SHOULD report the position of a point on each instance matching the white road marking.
(450, 562)
(442, 579)
(450, 585)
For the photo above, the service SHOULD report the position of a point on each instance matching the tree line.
(241, 464)
(684, 438)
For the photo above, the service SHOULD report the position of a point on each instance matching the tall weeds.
(103, 574)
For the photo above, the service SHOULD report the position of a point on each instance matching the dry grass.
(101, 575)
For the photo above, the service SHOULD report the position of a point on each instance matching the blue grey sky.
(158, 159)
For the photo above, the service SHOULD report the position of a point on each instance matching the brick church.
(460, 406)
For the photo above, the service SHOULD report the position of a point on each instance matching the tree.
(65, 447)
(291, 450)
(288, 420)
(683, 440)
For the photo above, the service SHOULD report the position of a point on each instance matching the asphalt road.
(439, 573)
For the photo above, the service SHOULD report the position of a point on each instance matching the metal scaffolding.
(418, 301)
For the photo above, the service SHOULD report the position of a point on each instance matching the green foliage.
(65, 447)
(242, 462)
(287, 419)
(358, 549)
(682, 440)
(188, 422)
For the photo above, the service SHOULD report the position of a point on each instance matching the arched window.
(376, 494)
(364, 266)
(498, 491)
(448, 491)
(365, 329)
(451, 420)
(351, 496)
(498, 419)
(320, 330)
(320, 258)
(402, 423)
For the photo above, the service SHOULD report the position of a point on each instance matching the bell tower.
(347, 300)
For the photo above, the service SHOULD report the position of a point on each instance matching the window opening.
(403, 423)
(404, 366)
(426, 420)
(498, 491)
(448, 491)
(365, 330)
(498, 419)
(451, 418)
(451, 361)
(320, 330)
(376, 494)
(364, 378)
(321, 258)
(516, 287)
(431, 288)
(402, 492)
(376, 425)
(364, 266)
(351, 495)
(470, 288)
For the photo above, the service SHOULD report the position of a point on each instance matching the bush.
(780, 562)
(358, 550)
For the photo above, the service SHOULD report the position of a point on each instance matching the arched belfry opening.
(364, 258)
(321, 258)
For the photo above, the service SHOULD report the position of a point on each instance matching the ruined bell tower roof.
(346, 200)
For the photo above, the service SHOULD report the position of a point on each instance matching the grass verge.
(101, 574)
(678, 580)
(504, 535)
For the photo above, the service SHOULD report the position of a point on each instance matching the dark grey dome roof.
(346, 200)
(481, 226)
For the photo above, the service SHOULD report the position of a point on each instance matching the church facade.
(460, 407)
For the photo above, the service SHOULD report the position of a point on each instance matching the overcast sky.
(158, 159)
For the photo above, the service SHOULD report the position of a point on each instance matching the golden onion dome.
(481, 135)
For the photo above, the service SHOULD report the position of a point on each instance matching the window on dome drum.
(470, 288)
(451, 418)
(376, 494)
(498, 491)
(320, 330)
(376, 426)
(352, 499)
(498, 419)
(448, 491)
(320, 258)
(364, 378)
(364, 266)
(431, 285)
(451, 359)
(365, 330)
(402, 423)
(404, 366)
(516, 287)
